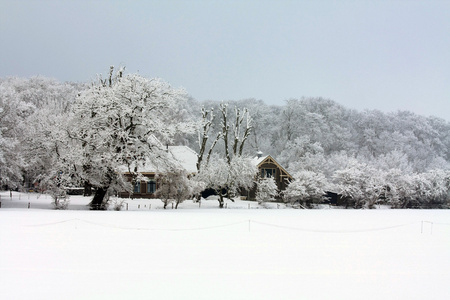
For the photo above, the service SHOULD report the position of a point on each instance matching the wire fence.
(250, 225)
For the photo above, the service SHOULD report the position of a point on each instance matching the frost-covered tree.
(266, 190)
(302, 154)
(235, 136)
(227, 178)
(233, 171)
(176, 186)
(56, 187)
(399, 188)
(13, 113)
(308, 187)
(203, 136)
(29, 109)
(358, 184)
(111, 129)
(432, 188)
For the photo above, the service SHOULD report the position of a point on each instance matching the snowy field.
(207, 253)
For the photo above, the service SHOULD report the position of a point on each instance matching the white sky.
(385, 55)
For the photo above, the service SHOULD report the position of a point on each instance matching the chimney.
(259, 154)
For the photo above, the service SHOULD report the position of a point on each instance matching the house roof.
(183, 157)
(258, 159)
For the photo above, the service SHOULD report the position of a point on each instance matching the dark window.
(137, 187)
(267, 173)
(151, 187)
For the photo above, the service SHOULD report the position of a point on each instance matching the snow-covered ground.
(208, 253)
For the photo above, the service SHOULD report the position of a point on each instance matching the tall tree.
(203, 136)
(111, 131)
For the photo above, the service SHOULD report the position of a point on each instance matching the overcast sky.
(385, 55)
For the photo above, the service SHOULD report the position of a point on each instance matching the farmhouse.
(184, 157)
(269, 167)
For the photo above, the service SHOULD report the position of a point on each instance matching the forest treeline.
(367, 157)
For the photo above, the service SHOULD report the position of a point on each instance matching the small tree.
(55, 187)
(226, 179)
(359, 184)
(176, 186)
(308, 187)
(266, 190)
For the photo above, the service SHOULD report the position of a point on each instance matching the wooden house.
(268, 166)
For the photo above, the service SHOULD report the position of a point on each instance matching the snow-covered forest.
(48, 136)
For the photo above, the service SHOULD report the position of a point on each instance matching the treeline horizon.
(314, 135)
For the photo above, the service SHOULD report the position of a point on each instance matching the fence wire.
(334, 231)
(250, 224)
(138, 228)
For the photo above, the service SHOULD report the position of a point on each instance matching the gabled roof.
(183, 157)
(259, 161)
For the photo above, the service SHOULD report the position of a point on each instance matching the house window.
(137, 187)
(151, 186)
(267, 173)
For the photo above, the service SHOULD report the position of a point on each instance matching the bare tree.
(203, 136)
(238, 139)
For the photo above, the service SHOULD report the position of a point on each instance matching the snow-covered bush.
(60, 197)
(177, 186)
(358, 184)
(118, 204)
(266, 190)
(399, 189)
(432, 188)
(308, 187)
(55, 186)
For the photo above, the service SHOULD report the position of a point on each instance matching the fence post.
(127, 205)
(29, 204)
(0, 204)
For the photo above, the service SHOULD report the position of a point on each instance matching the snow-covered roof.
(183, 157)
(258, 159)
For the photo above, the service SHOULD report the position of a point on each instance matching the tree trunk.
(87, 189)
(221, 202)
(97, 202)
